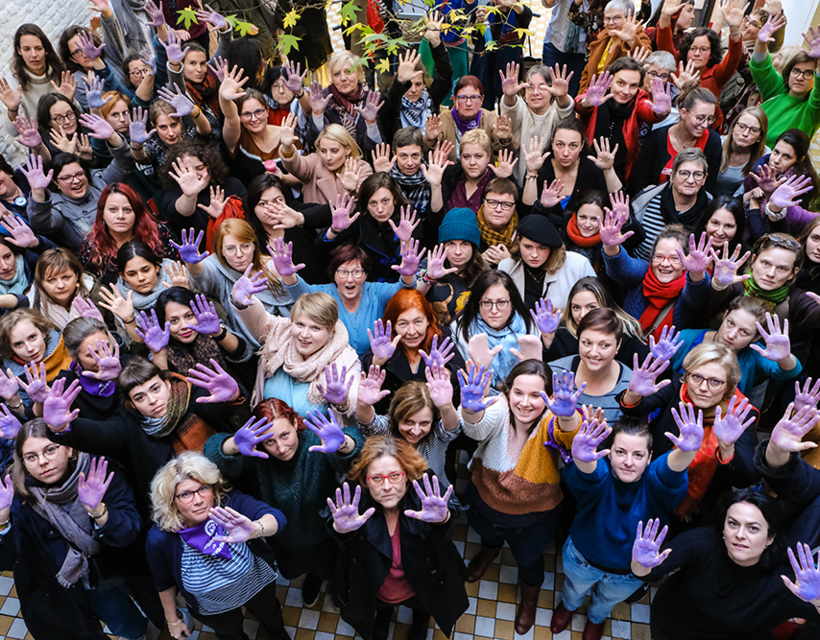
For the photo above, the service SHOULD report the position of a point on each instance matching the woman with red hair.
(406, 340)
(294, 469)
(121, 217)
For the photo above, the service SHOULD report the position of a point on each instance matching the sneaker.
(311, 587)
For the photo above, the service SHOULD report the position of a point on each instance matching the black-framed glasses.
(802, 73)
(69, 117)
(743, 128)
(253, 115)
(499, 204)
(74, 176)
(655, 74)
(501, 305)
(686, 174)
(186, 496)
(697, 380)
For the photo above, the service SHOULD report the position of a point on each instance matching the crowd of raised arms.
(249, 322)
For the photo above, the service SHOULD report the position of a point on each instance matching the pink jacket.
(320, 185)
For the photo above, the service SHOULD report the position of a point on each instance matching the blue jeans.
(116, 609)
(606, 589)
(575, 62)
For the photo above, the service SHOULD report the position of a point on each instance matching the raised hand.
(691, 428)
(9, 385)
(121, 307)
(647, 545)
(533, 158)
(217, 381)
(478, 349)
(766, 178)
(179, 101)
(85, 42)
(565, 400)
(813, 40)
(210, 16)
(100, 128)
(282, 255)
(685, 74)
(668, 344)
(435, 263)
(36, 386)
(294, 76)
(137, 126)
(155, 13)
(173, 48)
(774, 23)
(604, 158)
(345, 511)
(432, 128)
(789, 431)
(586, 441)
(207, 321)
(318, 101)
(529, 348)
(232, 83)
(253, 433)
(67, 86)
(370, 386)
(29, 135)
(341, 213)
(32, 169)
(640, 54)
(381, 342)
(439, 356)
(21, 234)
(807, 587)
(439, 385)
(91, 490)
(109, 366)
(807, 396)
(349, 175)
(189, 249)
(383, 162)
(725, 268)
(787, 194)
(151, 333)
(509, 81)
(778, 346)
(503, 128)
(407, 224)
(506, 164)
(597, 94)
(10, 97)
(698, 259)
(551, 194)
(644, 376)
(661, 96)
(149, 60)
(6, 492)
(370, 107)
(57, 407)
(437, 162)
(9, 424)
(474, 386)
(434, 507)
(610, 230)
(730, 427)
(238, 528)
(560, 80)
(410, 258)
(329, 431)
(248, 285)
(337, 386)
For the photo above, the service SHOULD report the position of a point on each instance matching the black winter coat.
(432, 565)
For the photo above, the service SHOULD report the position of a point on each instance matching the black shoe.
(311, 587)
(639, 593)
(381, 627)
(421, 622)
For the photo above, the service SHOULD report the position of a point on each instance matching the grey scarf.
(74, 525)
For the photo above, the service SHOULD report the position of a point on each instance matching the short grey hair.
(690, 155)
(662, 59)
(626, 6)
(540, 70)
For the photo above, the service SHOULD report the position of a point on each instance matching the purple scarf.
(98, 388)
(201, 538)
(464, 127)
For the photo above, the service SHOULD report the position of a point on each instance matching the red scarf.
(348, 104)
(575, 235)
(233, 209)
(658, 295)
(205, 93)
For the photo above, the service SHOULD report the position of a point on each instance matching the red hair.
(274, 408)
(406, 299)
(103, 248)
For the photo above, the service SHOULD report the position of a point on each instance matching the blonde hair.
(188, 465)
(338, 133)
(319, 307)
(720, 354)
(243, 232)
(116, 97)
(479, 137)
(756, 150)
(338, 61)
(410, 460)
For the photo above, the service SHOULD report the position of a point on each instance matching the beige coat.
(488, 118)
(319, 185)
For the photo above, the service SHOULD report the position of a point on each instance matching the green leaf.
(232, 20)
(187, 17)
(383, 66)
(246, 28)
(289, 41)
(291, 18)
(349, 12)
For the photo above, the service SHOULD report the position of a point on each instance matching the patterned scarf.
(182, 358)
(189, 432)
(771, 298)
(415, 114)
(575, 234)
(492, 237)
(346, 107)
(73, 523)
(205, 93)
(415, 188)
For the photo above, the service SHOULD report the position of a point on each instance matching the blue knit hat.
(459, 224)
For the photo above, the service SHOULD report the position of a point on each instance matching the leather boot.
(593, 631)
(479, 565)
(525, 616)
(561, 618)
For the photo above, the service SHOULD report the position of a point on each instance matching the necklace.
(536, 274)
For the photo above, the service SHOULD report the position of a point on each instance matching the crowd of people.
(249, 321)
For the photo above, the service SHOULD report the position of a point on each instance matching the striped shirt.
(652, 223)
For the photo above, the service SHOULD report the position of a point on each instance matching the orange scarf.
(575, 235)
(658, 295)
(233, 209)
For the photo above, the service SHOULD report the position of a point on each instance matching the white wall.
(52, 16)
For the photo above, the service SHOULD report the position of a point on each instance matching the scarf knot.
(771, 297)
(659, 295)
(575, 234)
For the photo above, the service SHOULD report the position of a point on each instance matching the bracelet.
(17, 406)
(776, 215)
(199, 110)
(222, 335)
(3, 525)
(300, 96)
(428, 280)
(261, 528)
(532, 176)
(287, 155)
(137, 148)
(131, 321)
(104, 511)
(238, 305)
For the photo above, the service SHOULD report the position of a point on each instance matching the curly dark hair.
(715, 55)
(209, 156)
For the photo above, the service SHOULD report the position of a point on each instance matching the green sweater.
(299, 487)
(784, 111)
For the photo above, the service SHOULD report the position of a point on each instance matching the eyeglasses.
(187, 496)
(697, 380)
(778, 240)
(253, 115)
(743, 128)
(686, 174)
(498, 204)
(701, 120)
(655, 74)
(656, 259)
(66, 118)
(393, 478)
(278, 86)
(77, 176)
(139, 72)
(469, 98)
(356, 273)
(700, 49)
(231, 249)
(613, 19)
(501, 305)
(49, 453)
(73, 54)
(805, 73)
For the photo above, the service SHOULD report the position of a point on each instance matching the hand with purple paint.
(341, 217)
(697, 261)
(789, 431)
(9, 385)
(381, 342)
(788, 194)
(474, 386)
(207, 321)
(182, 103)
(32, 169)
(151, 333)
(439, 356)
(667, 345)
(547, 318)
(221, 385)
(647, 545)
(644, 377)
(29, 134)
(435, 263)
(189, 249)
(138, 128)
(238, 528)
(434, 506)
(21, 234)
(597, 94)
(282, 254)
(99, 128)
(173, 48)
(86, 44)
(725, 268)
(691, 428)
(253, 433)
(346, 518)
(337, 386)
(248, 286)
(610, 231)
(807, 575)
(84, 308)
(57, 411)
(329, 431)
(108, 366)
(155, 13)
(407, 223)
(91, 490)
(36, 386)
(778, 345)
(565, 400)
(807, 396)
(588, 439)
(729, 428)
(9, 424)
(6, 495)
(410, 259)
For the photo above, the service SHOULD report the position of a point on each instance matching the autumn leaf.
(383, 65)
(232, 20)
(291, 18)
(246, 28)
(349, 12)
(187, 17)
(521, 33)
(289, 41)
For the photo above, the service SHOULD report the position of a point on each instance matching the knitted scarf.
(415, 114)
(189, 432)
(146, 301)
(182, 358)
(279, 351)
(19, 283)
(346, 107)
(205, 93)
(72, 523)
(575, 235)
(492, 237)
(772, 297)
(462, 126)
(415, 188)
(658, 295)
(58, 360)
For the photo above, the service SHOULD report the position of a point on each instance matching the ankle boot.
(381, 626)
(421, 622)
(479, 565)
(525, 616)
